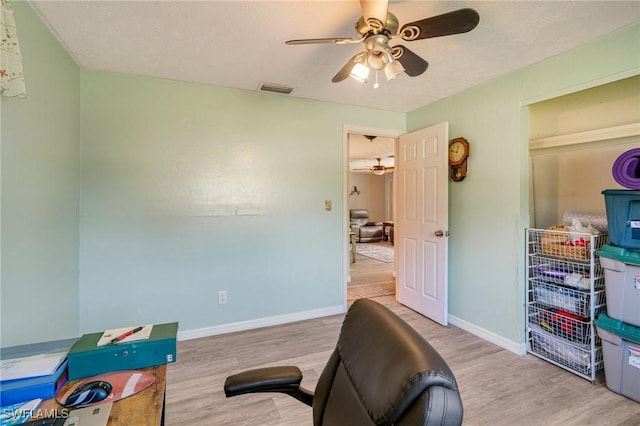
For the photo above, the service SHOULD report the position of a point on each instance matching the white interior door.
(422, 193)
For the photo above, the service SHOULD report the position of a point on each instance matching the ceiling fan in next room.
(377, 169)
(377, 27)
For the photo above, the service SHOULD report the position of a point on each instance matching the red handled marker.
(125, 335)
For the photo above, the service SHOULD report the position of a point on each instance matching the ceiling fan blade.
(335, 40)
(346, 69)
(456, 22)
(374, 13)
(388, 169)
(413, 64)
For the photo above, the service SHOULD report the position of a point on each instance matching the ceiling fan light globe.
(393, 70)
(378, 172)
(360, 72)
(376, 61)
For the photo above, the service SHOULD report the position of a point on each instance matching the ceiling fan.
(377, 27)
(378, 169)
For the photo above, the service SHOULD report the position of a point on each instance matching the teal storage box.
(86, 359)
(621, 283)
(621, 355)
(623, 217)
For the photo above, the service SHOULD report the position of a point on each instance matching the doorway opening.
(370, 198)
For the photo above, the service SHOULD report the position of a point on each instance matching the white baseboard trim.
(510, 345)
(259, 323)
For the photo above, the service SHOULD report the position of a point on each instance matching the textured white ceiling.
(240, 44)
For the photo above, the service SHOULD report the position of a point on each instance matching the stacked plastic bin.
(619, 328)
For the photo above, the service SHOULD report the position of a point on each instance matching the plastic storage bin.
(621, 355)
(622, 283)
(623, 217)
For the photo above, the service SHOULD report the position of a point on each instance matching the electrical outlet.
(328, 205)
(222, 297)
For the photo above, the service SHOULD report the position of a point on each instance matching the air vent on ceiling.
(275, 88)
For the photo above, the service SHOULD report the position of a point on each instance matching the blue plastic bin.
(623, 217)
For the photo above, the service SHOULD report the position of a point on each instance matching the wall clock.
(458, 154)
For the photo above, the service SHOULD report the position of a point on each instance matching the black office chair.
(382, 372)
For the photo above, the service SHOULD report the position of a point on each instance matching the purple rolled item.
(626, 169)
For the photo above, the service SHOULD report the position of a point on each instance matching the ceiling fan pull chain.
(376, 85)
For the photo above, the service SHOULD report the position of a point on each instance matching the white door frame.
(346, 129)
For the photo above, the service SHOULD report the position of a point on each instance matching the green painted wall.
(40, 192)
(187, 189)
(607, 105)
(190, 189)
(489, 209)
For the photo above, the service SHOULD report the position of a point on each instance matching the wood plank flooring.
(370, 277)
(497, 386)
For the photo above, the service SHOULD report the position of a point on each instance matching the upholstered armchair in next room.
(366, 231)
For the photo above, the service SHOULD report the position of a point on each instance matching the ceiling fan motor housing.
(364, 29)
(379, 53)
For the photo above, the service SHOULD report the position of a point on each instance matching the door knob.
(440, 233)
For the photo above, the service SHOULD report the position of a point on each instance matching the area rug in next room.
(375, 251)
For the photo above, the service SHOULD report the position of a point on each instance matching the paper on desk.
(111, 334)
(31, 366)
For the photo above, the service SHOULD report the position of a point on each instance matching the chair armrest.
(271, 379)
(374, 224)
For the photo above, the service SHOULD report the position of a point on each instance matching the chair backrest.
(383, 372)
(359, 216)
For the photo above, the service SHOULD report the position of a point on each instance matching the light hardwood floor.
(370, 277)
(497, 386)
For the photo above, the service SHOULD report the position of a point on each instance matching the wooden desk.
(145, 408)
